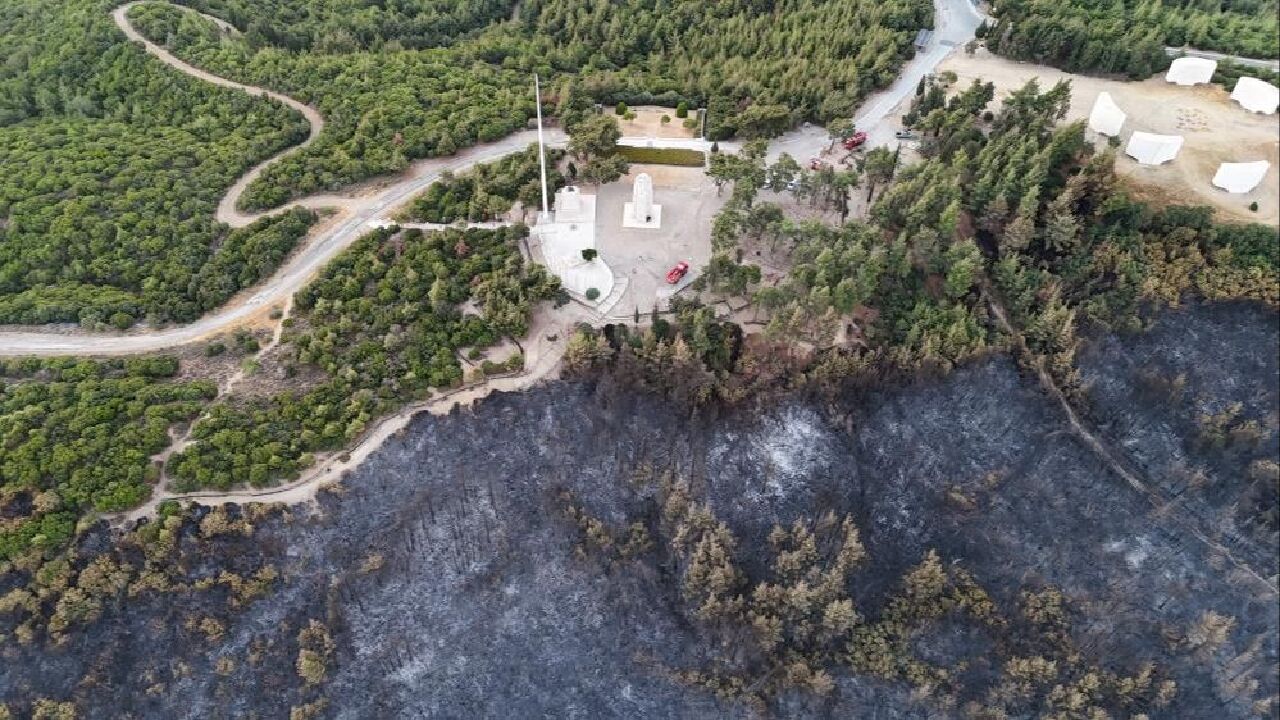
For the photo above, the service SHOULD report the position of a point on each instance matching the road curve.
(955, 23)
(227, 212)
(357, 214)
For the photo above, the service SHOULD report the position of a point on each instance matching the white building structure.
(1191, 71)
(565, 235)
(563, 240)
(1106, 118)
(1256, 95)
(1152, 149)
(641, 212)
(1241, 177)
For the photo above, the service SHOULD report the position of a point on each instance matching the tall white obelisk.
(545, 215)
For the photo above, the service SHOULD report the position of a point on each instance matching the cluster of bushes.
(1124, 38)
(383, 324)
(78, 436)
(488, 191)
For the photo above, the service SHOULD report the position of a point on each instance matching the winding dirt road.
(355, 216)
(545, 345)
(227, 212)
(955, 21)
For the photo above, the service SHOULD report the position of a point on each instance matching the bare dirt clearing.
(1216, 129)
(648, 123)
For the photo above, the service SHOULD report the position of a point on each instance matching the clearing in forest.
(1216, 129)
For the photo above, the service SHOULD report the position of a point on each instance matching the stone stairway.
(610, 301)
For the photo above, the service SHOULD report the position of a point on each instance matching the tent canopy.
(1191, 71)
(1241, 177)
(1256, 95)
(1106, 118)
(1152, 149)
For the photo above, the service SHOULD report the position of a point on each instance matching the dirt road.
(954, 22)
(355, 215)
(543, 347)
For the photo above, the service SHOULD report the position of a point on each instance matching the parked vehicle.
(856, 140)
(677, 273)
(904, 134)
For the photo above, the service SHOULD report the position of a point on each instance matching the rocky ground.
(445, 573)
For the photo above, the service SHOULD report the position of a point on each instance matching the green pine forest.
(1128, 37)
(113, 163)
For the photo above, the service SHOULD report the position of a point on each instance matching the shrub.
(1254, 206)
(589, 254)
(621, 108)
(592, 293)
(122, 320)
(666, 119)
(682, 110)
(683, 157)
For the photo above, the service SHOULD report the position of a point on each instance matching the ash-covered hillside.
(548, 554)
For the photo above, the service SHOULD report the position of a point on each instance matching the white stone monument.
(641, 212)
(1256, 95)
(1151, 149)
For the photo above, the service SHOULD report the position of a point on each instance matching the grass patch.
(663, 156)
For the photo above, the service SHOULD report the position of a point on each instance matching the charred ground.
(445, 574)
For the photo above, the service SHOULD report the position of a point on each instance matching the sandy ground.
(689, 204)
(1216, 129)
(648, 123)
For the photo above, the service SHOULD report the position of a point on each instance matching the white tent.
(1191, 71)
(1256, 95)
(1106, 118)
(1151, 149)
(1240, 177)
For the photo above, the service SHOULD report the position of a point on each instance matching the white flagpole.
(542, 155)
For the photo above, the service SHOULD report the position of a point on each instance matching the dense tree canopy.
(337, 26)
(761, 70)
(1009, 198)
(115, 163)
(1129, 36)
(382, 324)
(112, 167)
(78, 435)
